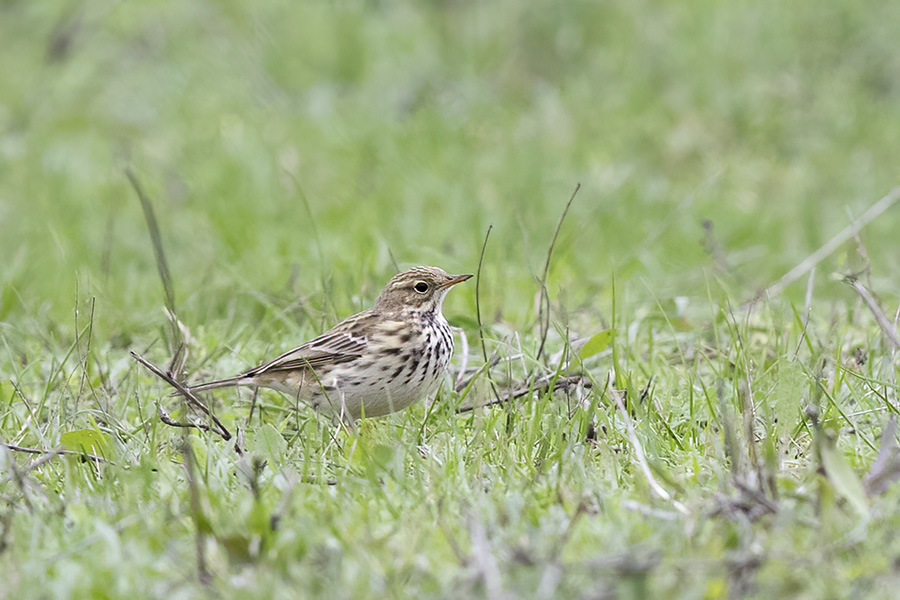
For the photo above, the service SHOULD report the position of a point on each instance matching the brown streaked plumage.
(373, 363)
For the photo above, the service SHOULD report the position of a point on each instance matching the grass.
(297, 154)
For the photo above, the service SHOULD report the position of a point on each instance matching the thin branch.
(834, 243)
(48, 454)
(187, 394)
(889, 331)
(168, 420)
(540, 386)
(544, 319)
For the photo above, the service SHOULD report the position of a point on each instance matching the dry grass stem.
(834, 243)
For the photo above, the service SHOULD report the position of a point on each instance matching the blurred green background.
(298, 152)
(294, 148)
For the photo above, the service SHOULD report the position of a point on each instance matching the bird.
(373, 363)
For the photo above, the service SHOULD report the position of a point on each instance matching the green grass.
(298, 153)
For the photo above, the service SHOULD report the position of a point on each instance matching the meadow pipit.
(373, 363)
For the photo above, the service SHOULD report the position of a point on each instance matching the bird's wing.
(344, 342)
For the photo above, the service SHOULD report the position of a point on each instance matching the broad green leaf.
(842, 477)
(269, 442)
(787, 399)
(381, 460)
(382, 454)
(259, 519)
(89, 441)
(597, 343)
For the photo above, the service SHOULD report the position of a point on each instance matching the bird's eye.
(421, 287)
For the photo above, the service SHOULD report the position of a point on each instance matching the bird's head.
(420, 289)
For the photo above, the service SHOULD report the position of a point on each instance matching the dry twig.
(834, 243)
(48, 454)
(540, 386)
(189, 396)
(886, 327)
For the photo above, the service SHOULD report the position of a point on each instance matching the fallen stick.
(889, 331)
(834, 243)
(188, 395)
(540, 386)
(48, 454)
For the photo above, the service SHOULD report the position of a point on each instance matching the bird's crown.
(420, 288)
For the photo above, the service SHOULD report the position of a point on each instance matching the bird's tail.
(221, 383)
(242, 379)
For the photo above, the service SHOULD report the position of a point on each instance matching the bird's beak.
(454, 279)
